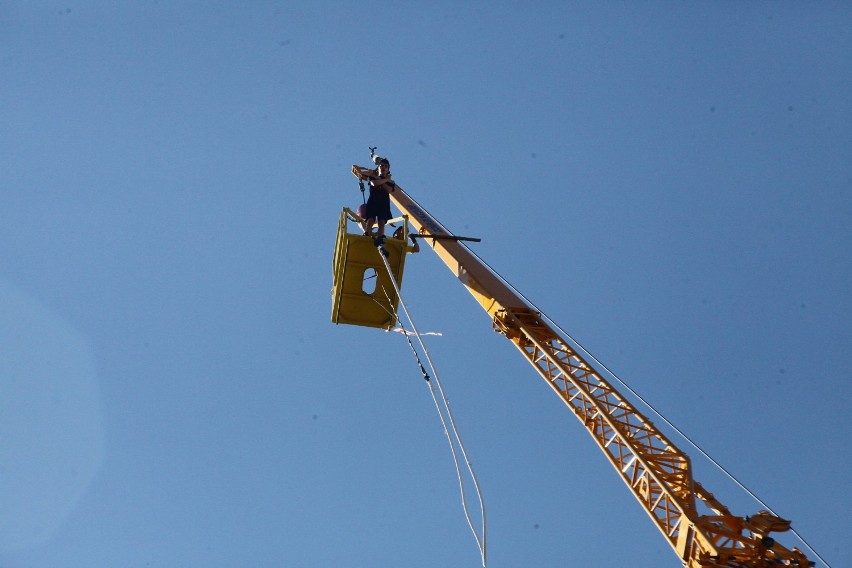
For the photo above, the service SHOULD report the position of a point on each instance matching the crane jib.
(700, 529)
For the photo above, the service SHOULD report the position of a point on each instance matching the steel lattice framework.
(652, 466)
(657, 472)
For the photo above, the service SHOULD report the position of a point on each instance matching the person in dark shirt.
(378, 204)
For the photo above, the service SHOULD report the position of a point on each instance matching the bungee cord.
(449, 419)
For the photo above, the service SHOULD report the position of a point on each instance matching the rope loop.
(443, 409)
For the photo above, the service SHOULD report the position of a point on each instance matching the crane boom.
(699, 528)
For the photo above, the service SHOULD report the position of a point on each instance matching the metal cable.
(649, 406)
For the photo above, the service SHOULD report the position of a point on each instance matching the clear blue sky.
(670, 181)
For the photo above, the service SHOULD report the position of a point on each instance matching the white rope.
(480, 539)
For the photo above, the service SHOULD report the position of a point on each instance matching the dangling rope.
(362, 188)
(411, 345)
(361, 181)
(480, 539)
(480, 543)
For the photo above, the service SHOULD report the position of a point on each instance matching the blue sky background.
(671, 182)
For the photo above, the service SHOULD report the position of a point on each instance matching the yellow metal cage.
(362, 293)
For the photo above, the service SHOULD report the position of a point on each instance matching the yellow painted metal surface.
(481, 282)
(362, 293)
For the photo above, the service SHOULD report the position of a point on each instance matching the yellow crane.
(699, 528)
